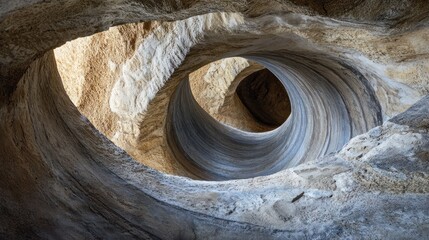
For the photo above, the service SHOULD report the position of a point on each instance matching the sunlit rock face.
(309, 118)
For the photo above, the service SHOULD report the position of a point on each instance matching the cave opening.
(242, 94)
(200, 127)
(265, 97)
(228, 119)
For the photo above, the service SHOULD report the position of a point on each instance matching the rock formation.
(214, 119)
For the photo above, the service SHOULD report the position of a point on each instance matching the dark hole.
(265, 97)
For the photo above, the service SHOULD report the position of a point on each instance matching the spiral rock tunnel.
(328, 108)
(121, 134)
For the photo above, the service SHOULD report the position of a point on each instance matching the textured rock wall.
(347, 67)
(89, 69)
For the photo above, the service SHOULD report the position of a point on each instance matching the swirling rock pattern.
(346, 66)
(327, 109)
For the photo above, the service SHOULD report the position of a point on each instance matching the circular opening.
(322, 120)
(265, 97)
(241, 94)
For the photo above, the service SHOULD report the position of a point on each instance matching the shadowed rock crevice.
(265, 97)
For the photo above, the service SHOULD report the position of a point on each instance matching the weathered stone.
(348, 66)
